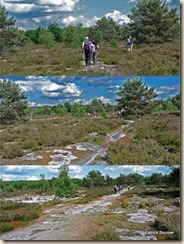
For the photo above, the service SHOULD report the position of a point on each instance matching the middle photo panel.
(94, 120)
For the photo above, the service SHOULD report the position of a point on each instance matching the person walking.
(123, 112)
(87, 49)
(115, 189)
(95, 51)
(129, 43)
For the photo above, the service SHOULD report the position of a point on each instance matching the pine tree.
(8, 32)
(153, 22)
(135, 96)
(13, 102)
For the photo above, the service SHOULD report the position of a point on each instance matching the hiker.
(115, 189)
(123, 112)
(86, 49)
(88, 114)
(95, 51)
(119, 114)
(129, 43)
(94, 114)
(128, 188)
(120, 188)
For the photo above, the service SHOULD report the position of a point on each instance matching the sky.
(30, 14)
(14, 173)
(52, 90)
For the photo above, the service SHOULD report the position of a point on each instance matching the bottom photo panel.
(129, 202)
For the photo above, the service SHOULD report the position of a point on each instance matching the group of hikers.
(91, 49)
(121, 113)
(88, 114)
(119, 189)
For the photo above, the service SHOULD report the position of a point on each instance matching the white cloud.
(118, 17)
(133, 168)
(104, 100)
(63, 5)
(78, 176)
(42, 19)
(52, 87)
(11, 177)
(131, 1)
(80, 19)
(30, 178)
(33, 83)
(48, 87)
(17, 168)
(72, 90)
(51, 94)
(7, 177)
(18, 7)
(75, 169)
(167, 89)
(53, 169)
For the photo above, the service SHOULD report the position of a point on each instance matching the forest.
(47, 51)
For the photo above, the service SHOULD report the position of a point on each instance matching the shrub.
(5, 228)
(12, 151)
(171, 223)
(124, 203)
(11, 205)
(106, 235)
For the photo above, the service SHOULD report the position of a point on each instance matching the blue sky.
(14, 173)
(51, 90)
(30, 14)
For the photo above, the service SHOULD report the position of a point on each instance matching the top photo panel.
(85, 38)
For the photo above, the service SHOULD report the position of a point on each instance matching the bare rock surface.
(74, 221)
(58, 221)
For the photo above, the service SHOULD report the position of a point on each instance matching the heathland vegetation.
(150, 194)
(153, 138)
(57, 51)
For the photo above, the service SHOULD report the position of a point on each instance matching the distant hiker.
(129, 43)
(95, 51)
(119, 114)
(115, 189)
(87, 49)
(123, 112)
(120, 188)
(88, 114)
(128, 188)
(94, 114)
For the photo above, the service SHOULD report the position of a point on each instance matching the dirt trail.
(65, 222)
(114, 136)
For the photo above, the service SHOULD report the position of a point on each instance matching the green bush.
(106, 235)
(124, 203)
(6, 227)
(16, 216)
(12, 151)
(11, 205)
(171, 223)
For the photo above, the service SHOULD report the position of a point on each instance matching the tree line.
(151, 22)
(65, 186)
(133, 94)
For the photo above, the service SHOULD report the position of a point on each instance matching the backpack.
(87, 46)
(129, 40)
(93, 48)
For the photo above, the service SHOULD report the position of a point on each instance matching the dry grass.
(163, 59)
